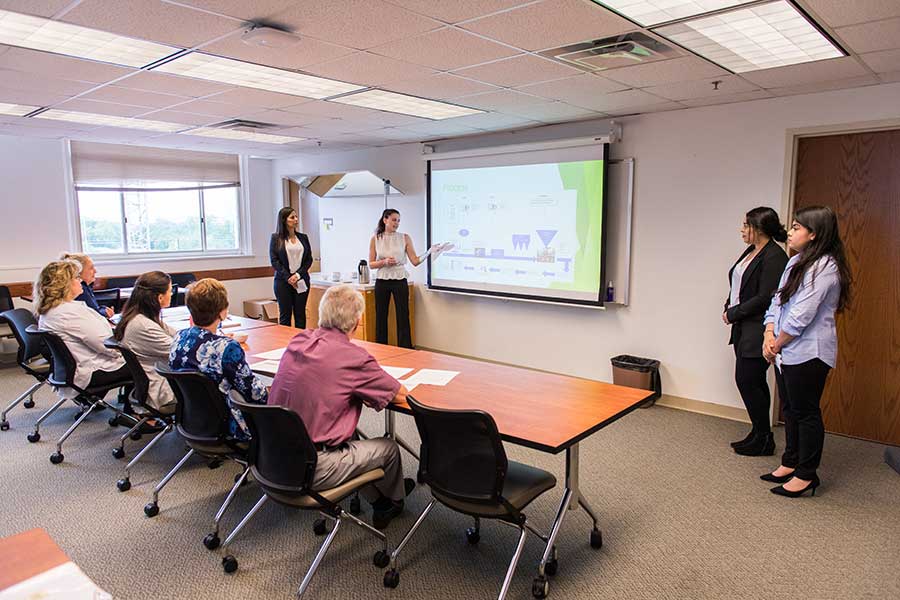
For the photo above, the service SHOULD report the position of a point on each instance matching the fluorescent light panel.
(654, 12)
(406, 105)
(244, 136)
(110, 121)
(16, 110)
(757, 37)
(235, 72)
(37, 33)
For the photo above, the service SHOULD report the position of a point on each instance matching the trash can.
(640, 373)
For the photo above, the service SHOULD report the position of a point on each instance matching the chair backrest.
(120, 282)
(111, 297)
(461, 454)
(282, 454)
(175, 300)
(6, 302)
(62, 371)
(30, 346)
(183, 279)
(138, 375)
(201, 414)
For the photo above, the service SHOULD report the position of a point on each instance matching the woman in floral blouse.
(218, 357)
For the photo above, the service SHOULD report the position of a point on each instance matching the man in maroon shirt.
(326, 378)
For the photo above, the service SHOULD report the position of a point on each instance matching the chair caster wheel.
(33, 437)
(135, 436)
(56, 458)
(4, 425)
(473, 536)
(551, 567)
(123, 485)
(229, 564)
(151, 509)
(118, 452)
(391, 578)
(319, 527)
(113, 421)
(540, 587)
(214, 463)
(596, 538)
(355, 506)
(212, 541)
(381, 559)
(28, 404)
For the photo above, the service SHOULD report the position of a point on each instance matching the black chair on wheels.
(180, 280)
(120, 282)
(283, 463)
(33, 357)
(111, 297)
(62, 376)
(140, 395)
(201, 418)
(463, 461)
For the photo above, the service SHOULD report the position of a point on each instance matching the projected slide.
(529, 230)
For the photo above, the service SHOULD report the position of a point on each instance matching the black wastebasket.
(640, 373)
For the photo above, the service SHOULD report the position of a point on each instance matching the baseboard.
(731, 413)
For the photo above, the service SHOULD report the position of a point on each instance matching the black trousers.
(290, 302)
(750, 377)
(399, 289)
(800, 387)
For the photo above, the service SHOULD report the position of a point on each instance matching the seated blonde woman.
(142, 330)
(82, 329)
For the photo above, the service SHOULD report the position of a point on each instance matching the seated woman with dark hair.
(142, 331)
(218, 357)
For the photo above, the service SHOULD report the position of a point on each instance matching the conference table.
(545, 411)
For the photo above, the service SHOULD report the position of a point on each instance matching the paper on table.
(429, 377)
(396, 372)
(63, 582)
(265, 366)
(272, 354)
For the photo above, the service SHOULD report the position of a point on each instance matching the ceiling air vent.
(244, 125)
(610, 53)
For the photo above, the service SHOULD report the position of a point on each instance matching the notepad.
(269, 367)
(272, 354)
(396, 372)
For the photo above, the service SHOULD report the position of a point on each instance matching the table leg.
(390, 430)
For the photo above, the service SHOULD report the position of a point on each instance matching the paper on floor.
(64, 582)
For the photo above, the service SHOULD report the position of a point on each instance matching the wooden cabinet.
(366, 330)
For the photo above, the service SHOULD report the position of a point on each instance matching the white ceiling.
(478, 53)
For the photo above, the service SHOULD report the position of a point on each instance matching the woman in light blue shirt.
(801, 339)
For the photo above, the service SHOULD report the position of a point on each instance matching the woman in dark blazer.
(753, 280)
(291, 257)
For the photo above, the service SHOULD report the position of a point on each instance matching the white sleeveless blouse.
(391, 244)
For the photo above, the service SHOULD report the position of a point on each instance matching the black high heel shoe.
(811, 486)
(777, 478)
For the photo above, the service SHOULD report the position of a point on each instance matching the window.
(159, 218)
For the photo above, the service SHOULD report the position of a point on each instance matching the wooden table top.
(27, 554)
(278, 336)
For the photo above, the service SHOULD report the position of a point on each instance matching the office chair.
(32, 356)
(201, 417)
(62, 376)
(140, 395)
(111, 297)
(283, 462)
(463, 462)
(176, 300)
(120, 282)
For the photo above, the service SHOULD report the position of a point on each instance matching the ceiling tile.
(551, 23)
(400, 135)
(335, 126)
(576, 90)
(40, 8)
(727, 99)
(30, 97)
(440, 86)
(813, 72)
(436, 128)
(241, 9)
(445, 49)
(617, 101)
(282, 118)
(645, 109)
(711, 86)
(871, 37)
(151, 20)
(519, 70)
(885, 61)
(457, 10)
(307, 51)
(103, 108)
(837, 13)
(665, 71)
(891, 77)
(121, 95)
(499, 100)
(331, 110)
(172, 84)
(495, 121)
(55, 65)
(825, 86)
(24, 80)
(386, 119)
(365, 68)
(177, 116)
(552, 112)
(357, 24)
(258, 98)
(207, 107)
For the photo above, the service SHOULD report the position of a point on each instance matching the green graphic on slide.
(586, 178)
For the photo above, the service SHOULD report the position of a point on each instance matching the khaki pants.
(334, 467)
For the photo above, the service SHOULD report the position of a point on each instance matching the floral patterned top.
(222, 360)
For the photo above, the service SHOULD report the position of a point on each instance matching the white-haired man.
(326, 378)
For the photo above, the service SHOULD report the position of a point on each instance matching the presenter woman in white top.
(291, 257)
(388, 251)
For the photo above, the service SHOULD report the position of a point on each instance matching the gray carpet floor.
(682, 517)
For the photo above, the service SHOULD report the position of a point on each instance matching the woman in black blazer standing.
(753, 280)
(291, 257)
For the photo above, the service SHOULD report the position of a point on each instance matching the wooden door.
(858, 176)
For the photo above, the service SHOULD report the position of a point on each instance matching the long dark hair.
(765, 220)
(282, 232)
(821, 221)
(144, 300)
(379, 229)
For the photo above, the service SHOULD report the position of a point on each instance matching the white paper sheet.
(429, 377)
(301, 286)
(396, 372)
(64, 582)
(269, 367)
(272, 354)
